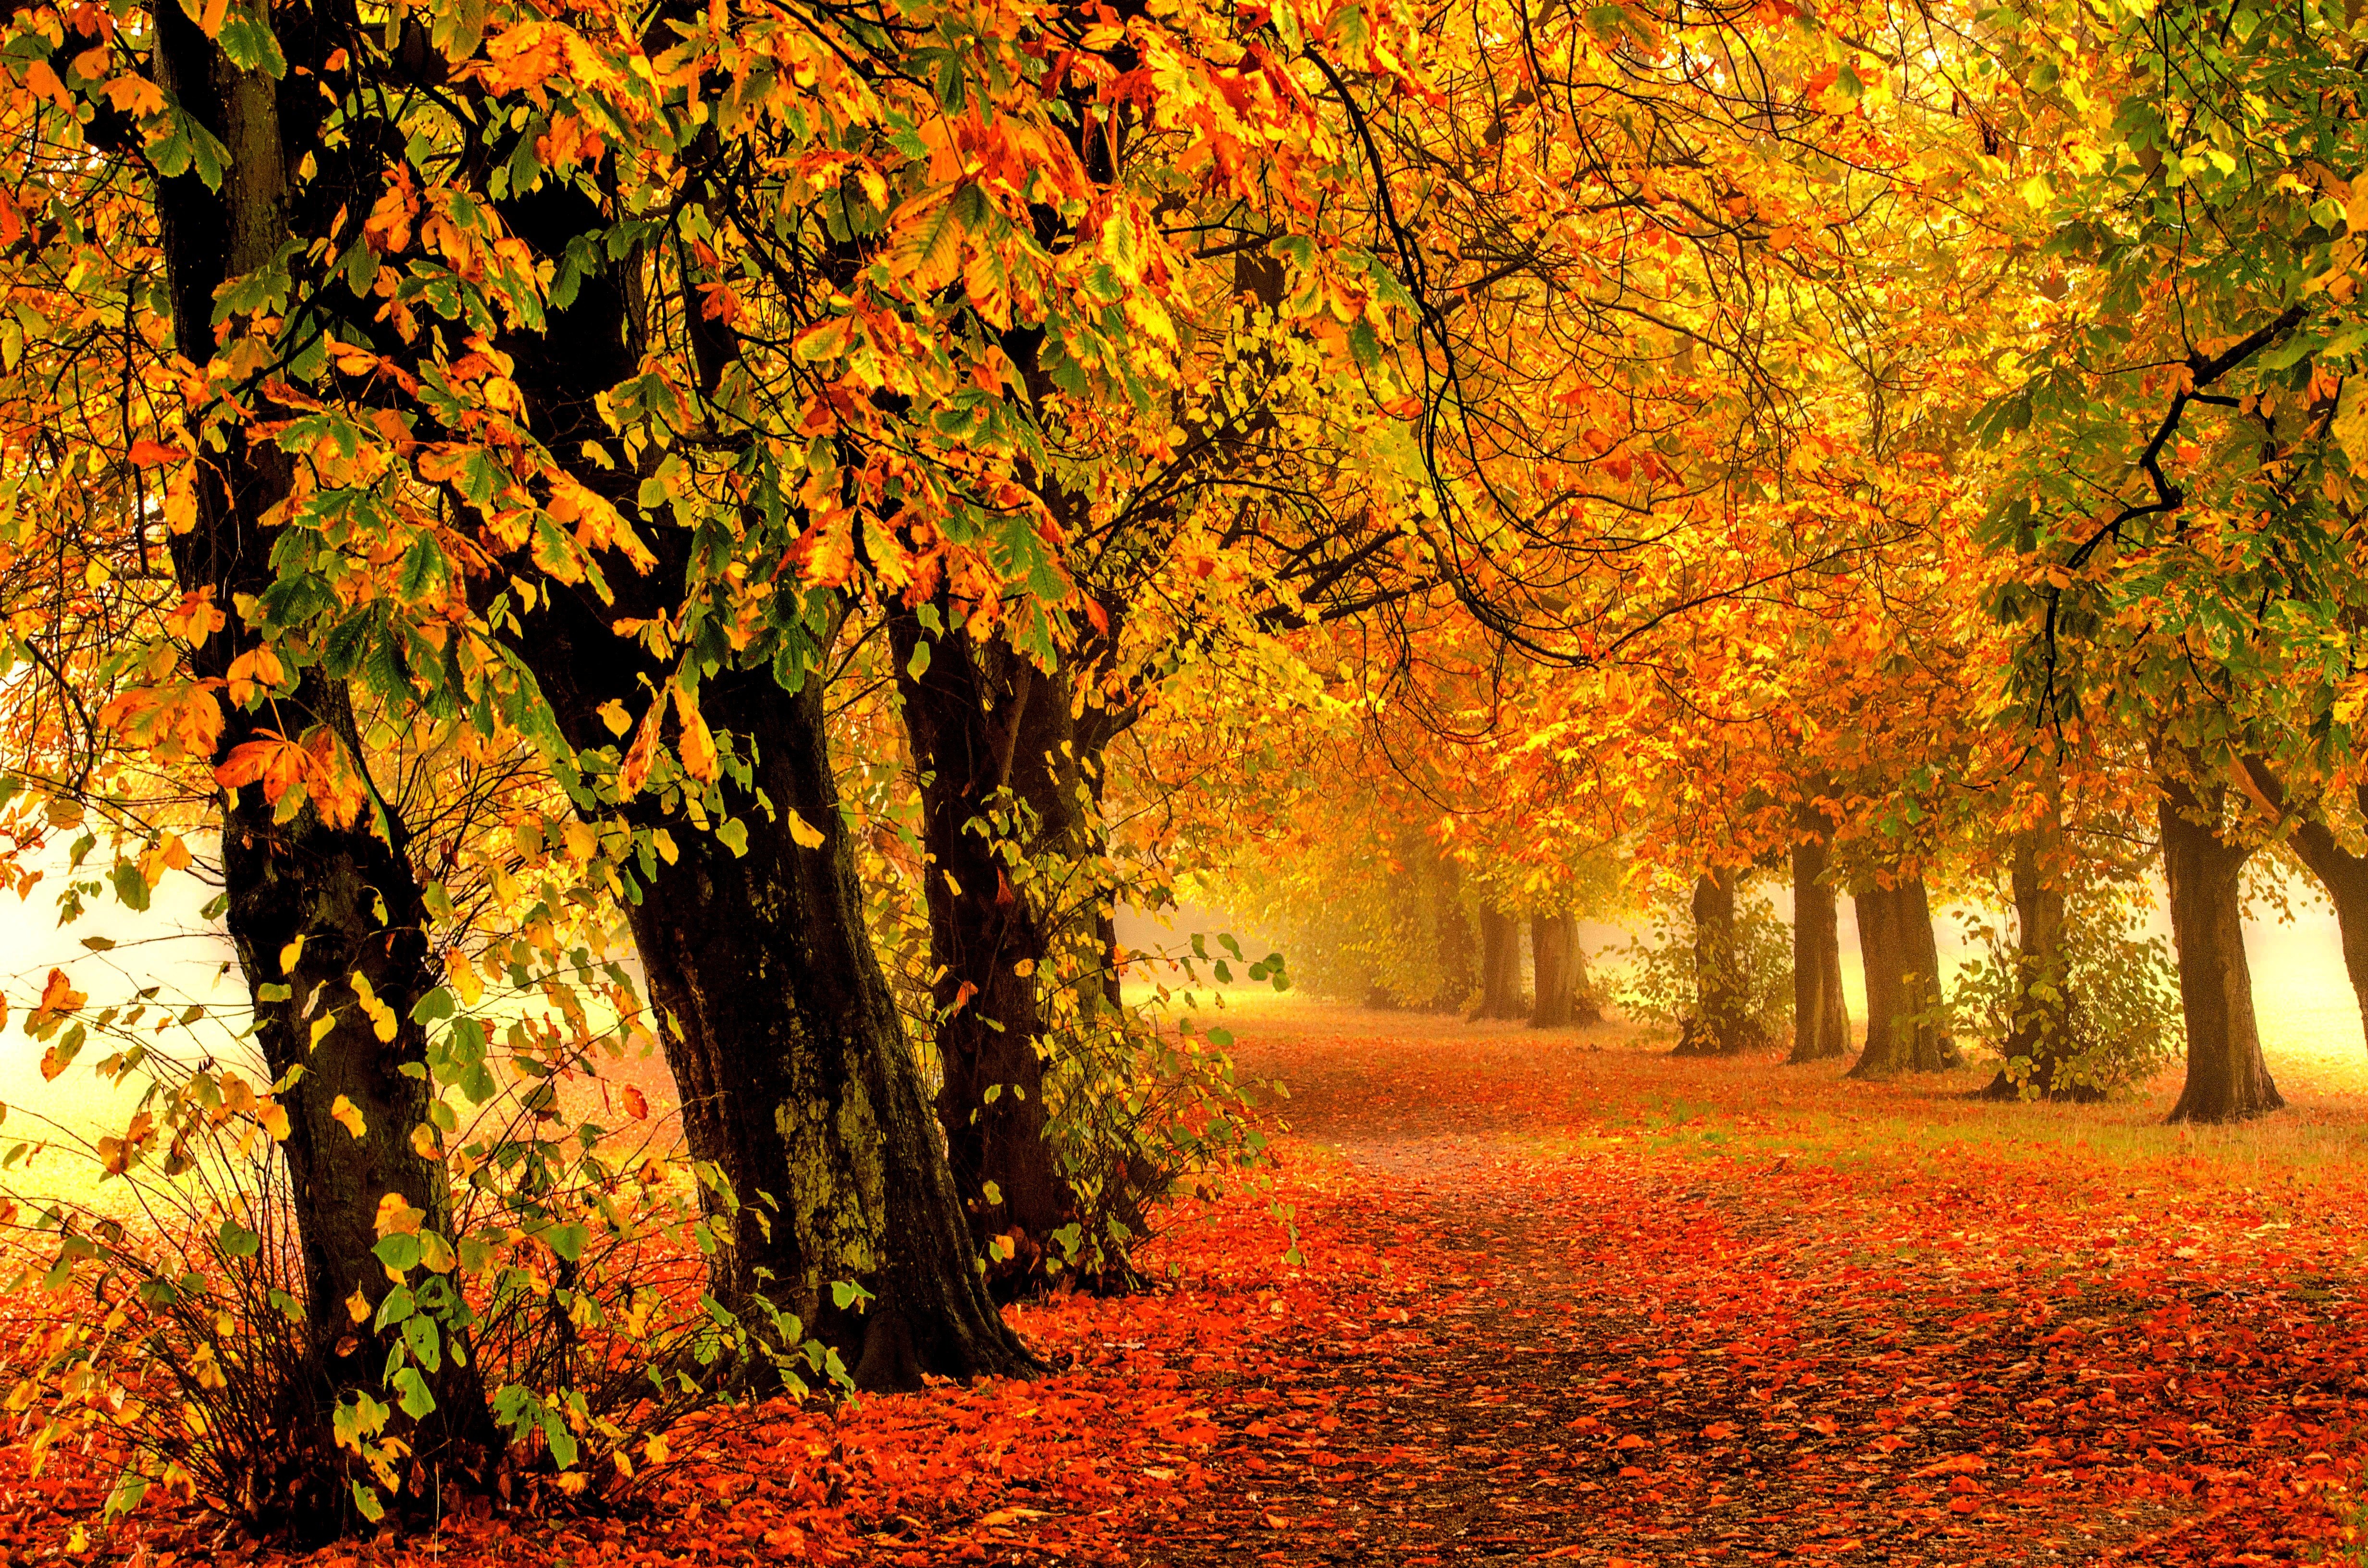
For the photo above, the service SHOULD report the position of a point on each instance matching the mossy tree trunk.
(797, 1082)
(994, 743)
(1820, 1011)
(2227, 1078)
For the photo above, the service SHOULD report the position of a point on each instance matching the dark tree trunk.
(1500, 966)
(1553, 939)
(990, 733)
(795, 1074)
(797, 1082)
(1820, 1012)
(1459, 970)
(1903, 984)
(1722, 1024)
(349, 896)
(2226, 1079)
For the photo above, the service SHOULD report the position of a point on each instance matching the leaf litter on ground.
(1568, 1299)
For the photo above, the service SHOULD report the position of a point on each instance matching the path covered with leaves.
(1566, 1299)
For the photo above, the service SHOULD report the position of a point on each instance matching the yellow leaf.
(357, 1307)
(807, 836)
(289, 954)
(273, 1119)
(423, 1141)
(346, 1114)
(464, 977)
(613, 714)
(396, 1217)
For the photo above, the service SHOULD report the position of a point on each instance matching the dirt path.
(1644, 1348)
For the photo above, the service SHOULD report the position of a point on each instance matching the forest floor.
(1566, 1298)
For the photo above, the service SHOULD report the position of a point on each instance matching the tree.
(1905, 1031)
(1820, 1011)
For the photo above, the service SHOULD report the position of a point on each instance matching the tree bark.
(1820, 1011)
(2227, 1078)
(345, 902)
(1553, 938)
(797, 1083)
(1902, 982)
(1722, 1024)
(989, 732)
(1500, 966)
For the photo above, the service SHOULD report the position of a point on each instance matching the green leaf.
(246, 39)
(130, 1488)
(411, 1394)
(399, 1304)
(568, 1241)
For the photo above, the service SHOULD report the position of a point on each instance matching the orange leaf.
(697, 747)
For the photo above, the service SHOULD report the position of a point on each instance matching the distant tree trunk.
(1820, 1011)
(351, 898)
(2226, 1079)
(1459, 973)
(1902, 982)
(2342, 874)
(1722, 1024)
(1586, 1004)
(1500, 966)
(2041, 1034)
(1554, 941)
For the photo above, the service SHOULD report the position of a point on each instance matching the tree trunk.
(1458, 963)
(348, 896)
(2226, 1079)
(990, 733)
(2041, 1034)
(1820, 1012)
(1553, 938)
(1722, 1024)
(1903, 984)
(1500, 966)
(796, 1079)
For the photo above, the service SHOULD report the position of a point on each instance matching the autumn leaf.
(696, 747)
(348, 1115)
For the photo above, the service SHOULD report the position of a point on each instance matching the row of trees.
(744, 531)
